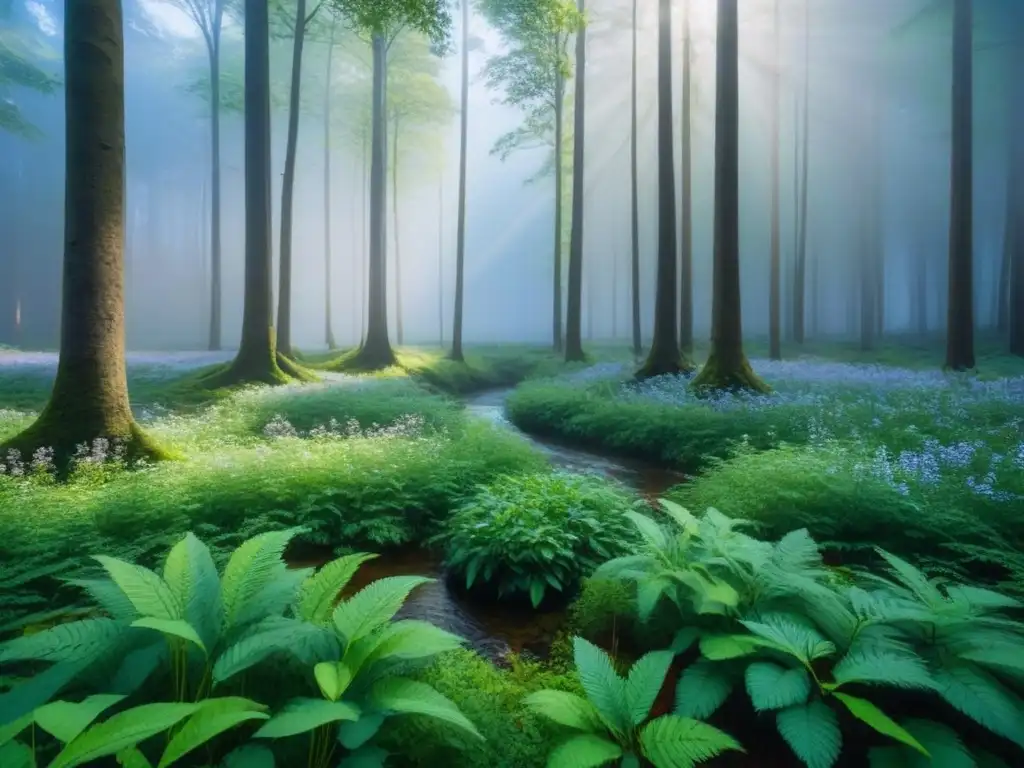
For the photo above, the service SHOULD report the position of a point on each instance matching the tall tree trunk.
(686, 196)
(634, 197)
(328, 324)
(440, 261)
(800, 273)
(559, 169)
(376, 351)
(214, 340)
(774, 280)
(919, 301)
(960, 318)
(9, 300)
(615, 294)
(284, 276)
(399, 328)
(363, 257)
(1005, 271)
(460, 247)
(814, 311)
(664, 357)
(257, 359)
(89, 400)
(727, 366)
(573, 340)
(1015, 214)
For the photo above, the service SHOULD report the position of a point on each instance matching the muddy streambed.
(495, 630)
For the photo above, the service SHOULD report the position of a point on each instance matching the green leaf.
(913, 579)
(249, 756)
(144, 588)
(108, 595)
(586, 750)
(536, 592)
(353, 734)
(724, 647)
(373, 606)
(14, 754)
(882, 667)
(603, 686)
(772, 686)
(682, 516)
(72, 641)
(649, 592)
(644, 683)
(64, 720)
(405, 639)
(320, 591)
(702, 689)
(783, 634)
(651, 532)
(275, 634)
(213, 718)
(868, 713)
(125, 729)
(982, 698)
(333, 678)
(175, 627)
(683, 639)
(940, 740)
(250, 569)
(192, 577)
(672, 741)
(812, 732)
(365, 757)
(10, 731)
(565, 709)
(303, 715)
(401, 695)
(132, 757)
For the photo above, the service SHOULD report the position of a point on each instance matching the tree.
(800, 261)
(960, 318)
(328, 326)
(89, 400)
(460, 242)
(574, 308)
(381, 21)
(1015, 215)
(208, 16)
(533, 74)
(727, 366)
(634, 194)
(686, 193)
(296, 23)
(774, 280)
(664, 356)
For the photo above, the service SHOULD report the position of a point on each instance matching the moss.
(670, 366)
(365, 359)
(735, 375)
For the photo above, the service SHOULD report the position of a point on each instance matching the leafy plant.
(612, 721)
(526, 534)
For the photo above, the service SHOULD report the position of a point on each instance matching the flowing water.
(495, 630)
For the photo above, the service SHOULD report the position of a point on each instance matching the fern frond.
(144, 588)
(73, 641)
(982, 698)
(812, 732)
(603, 686)
(883, 668)
(373, 606)
(249, 569)
(679, 741)
(702, 688)
(320, 591)
(644, 681)
(771, 686)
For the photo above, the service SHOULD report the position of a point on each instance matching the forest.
(511, 383)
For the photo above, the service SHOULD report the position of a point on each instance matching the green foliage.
(525, 534)
(387, 18)
(612, 723)
(809, 646)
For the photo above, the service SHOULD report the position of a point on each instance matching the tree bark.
(284, 276)
(574, 310)
(89, 400)
(460, 247)
(664, 357)
(557, 277)
(1015, 214)
(686, 195)
(214, 342)
(440, 261)
(634, 198)
(328, 324)
(774, 280)
(960, 317)
(399, 329)
(800, 272)
(727, 366)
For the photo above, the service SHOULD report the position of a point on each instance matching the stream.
(494, 630)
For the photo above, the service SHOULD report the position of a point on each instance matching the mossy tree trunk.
(960, 309)
(775, 267)
(574, 309)
(460, 247)
(686, 194)
(727, 366)
(634, 197)
(90, 394)
(664, 356)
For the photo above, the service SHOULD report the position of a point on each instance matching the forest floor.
(905, 457)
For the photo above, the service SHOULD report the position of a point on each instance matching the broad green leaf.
(565, 709)
(108, 595)
(321, 590)
(373, 606)
(405, 639)
(132, 757)
(365, 757)
(307, 642)
(10, 731)
(702, 689)
(724, 647)
(602, 684)
(333, 677)
(192, 577)
(64, 720)
(940, 740)
(682, 516)
(772, 686)
(125, 729)
(213, 718)
(649, 592)
(536, 592)
(644, 683)
(303, 715)
(982, 698)
(913, 579)
(145, 589)
(353, 734)
(175, 627)
(249, 570)
(587, 750)
(881, 667)
(651, 532)
(683, 639)
(812, 732)
(785, 635)
(672, 741)
(72, 641)
(867, 712)
(14, 754)
(404, 696)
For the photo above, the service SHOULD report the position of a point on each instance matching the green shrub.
(523, 534)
